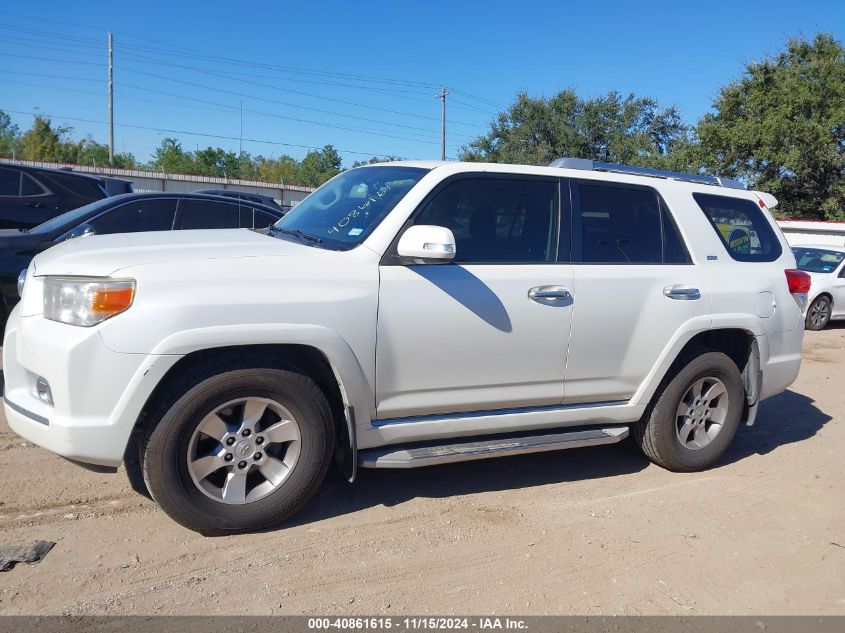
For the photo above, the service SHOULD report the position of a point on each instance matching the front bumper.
(98, 393)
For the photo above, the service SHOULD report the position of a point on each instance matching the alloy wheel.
(244, 450)
(701, 413)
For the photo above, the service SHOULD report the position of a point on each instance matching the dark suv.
(246, 196)
(32, 195)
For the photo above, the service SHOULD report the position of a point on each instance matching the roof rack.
(592, 165)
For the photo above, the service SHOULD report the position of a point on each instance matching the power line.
(395, 92)
(172, 49)
(189, 133)
(217, 107)
(205, 101)
(49, 76)
(295, 119)
(285, 90)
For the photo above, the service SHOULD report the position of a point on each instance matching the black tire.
(818, 314)
(656, 432)
(165, 462)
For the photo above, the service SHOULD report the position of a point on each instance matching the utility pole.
(111, 99)
(442, 97)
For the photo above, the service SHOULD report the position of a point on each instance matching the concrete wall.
(810, 232)
(145, 180)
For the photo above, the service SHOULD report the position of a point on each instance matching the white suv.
(408, 314)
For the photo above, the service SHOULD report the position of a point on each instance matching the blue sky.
(363, 75)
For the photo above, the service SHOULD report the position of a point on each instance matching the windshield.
(344, 211)
(817, 260)
(71, 218)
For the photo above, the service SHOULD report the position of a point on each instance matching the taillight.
(798, 281)
(799, 285)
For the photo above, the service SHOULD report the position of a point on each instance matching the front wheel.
(240, 451)
(696, 415)
(818, 314)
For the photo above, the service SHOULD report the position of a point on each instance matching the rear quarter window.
(742, 226)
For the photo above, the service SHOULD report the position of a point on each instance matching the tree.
(215, 161)
(319, 165)
(93, 153)
(171, 158)
(9, 135)
(781, 127)
(375, 159)
(43, 141)
(611, 128)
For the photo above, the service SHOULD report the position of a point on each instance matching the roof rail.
(592, 165)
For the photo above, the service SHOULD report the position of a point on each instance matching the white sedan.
(826, 299)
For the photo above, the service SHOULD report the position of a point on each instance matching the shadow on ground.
(784, 419)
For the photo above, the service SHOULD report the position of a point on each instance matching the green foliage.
(313, 170)
(93, 153)
(376, 159)
(781, 127)
(612, 128)
(319, 165)
(43, 141)
(170, 158)
(9, 135)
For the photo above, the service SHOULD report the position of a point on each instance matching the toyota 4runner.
(408, 314)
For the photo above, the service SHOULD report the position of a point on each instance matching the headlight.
(86, 301)
(21, 282)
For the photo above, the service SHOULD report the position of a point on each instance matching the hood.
(102, 255)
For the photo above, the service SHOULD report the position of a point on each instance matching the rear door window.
(136, 217)
(622, 224)
(210, 214)
(742, 227)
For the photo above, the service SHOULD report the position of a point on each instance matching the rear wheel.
(818, 314)
(695, 416)
(240, 451)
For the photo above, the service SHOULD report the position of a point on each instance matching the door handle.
(34, 205)
(682, 293)
(549, 293)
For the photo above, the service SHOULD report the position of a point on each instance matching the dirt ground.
(587, 531)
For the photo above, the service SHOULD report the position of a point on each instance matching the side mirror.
(83, 230)
(425, 243)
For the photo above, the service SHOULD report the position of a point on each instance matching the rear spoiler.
(767, 199)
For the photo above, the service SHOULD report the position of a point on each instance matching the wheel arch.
(823, 293)
(738, 343)
(315, 351)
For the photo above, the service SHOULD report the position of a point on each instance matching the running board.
(429, 455)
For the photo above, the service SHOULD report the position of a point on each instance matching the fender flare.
(356, 389)
(684, 335)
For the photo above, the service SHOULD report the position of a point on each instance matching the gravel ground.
(588, 531)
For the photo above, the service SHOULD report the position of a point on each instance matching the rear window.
(616, 224)
(742, 227)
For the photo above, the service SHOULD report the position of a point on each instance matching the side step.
(431, 454)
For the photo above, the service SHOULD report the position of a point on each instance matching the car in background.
(826, 299)
(32, 195)
(125, 213)
(246, 196)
